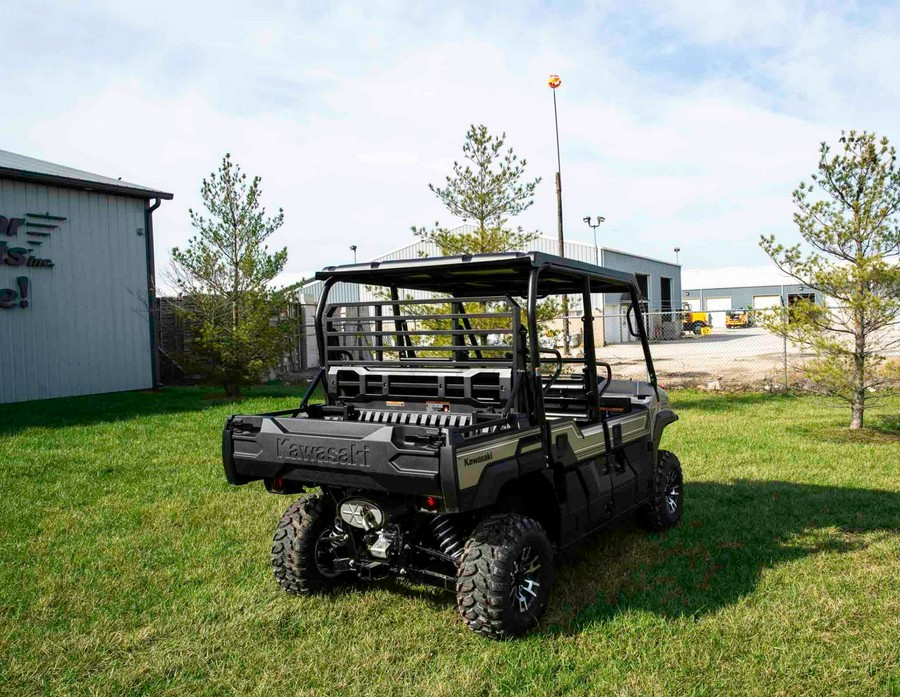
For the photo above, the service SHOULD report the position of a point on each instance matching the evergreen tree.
(850, 216)
(224, 277)
(487, 189)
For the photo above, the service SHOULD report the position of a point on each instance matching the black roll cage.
(472, 277)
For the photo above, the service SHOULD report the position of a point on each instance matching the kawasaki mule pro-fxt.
(452, 447)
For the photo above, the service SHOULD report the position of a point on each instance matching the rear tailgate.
(380, 457)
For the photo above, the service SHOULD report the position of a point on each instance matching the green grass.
(129, 566)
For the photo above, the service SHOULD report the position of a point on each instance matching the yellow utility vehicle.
(738, 319)
(693, 321)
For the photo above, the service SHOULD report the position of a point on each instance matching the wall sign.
(36, 228)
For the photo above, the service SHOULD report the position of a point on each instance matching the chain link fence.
(728, 350)
(725, 349)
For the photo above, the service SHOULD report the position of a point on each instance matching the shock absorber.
(447, 536)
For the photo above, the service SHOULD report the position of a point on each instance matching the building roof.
(734, 277)
(22, 168)
(640, 256)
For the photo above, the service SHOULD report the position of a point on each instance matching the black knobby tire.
(664, 509)
(496, 568)
(294, 546)
(698, 327)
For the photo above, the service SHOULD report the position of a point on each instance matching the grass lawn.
(128, 565)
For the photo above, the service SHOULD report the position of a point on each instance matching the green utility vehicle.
(452, 448)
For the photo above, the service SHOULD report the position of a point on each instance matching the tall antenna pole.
(554, 82)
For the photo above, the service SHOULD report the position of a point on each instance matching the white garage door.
(761, 302)
(716, 308)
(693, 303)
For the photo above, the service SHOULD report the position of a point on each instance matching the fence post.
(301, 333)
(785, 347)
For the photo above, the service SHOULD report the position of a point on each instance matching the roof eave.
(82, 185)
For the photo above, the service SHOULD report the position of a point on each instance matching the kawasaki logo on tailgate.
(354, 455)
(469, 461)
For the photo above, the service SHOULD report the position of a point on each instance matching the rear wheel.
(504, 576)
(306, 546)
(663, 511)
(698, 327)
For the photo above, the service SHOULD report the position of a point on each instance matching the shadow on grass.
(122, 406)
(719, 401)
(888, 424)
(730, 534)
(877, 433)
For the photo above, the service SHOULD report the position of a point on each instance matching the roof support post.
(590, 353)
(559, 475)
(401, 326)
(642, 333)
(320, 328)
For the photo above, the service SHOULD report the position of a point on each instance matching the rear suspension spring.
(447, 536)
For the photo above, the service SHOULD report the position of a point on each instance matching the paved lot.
(742, 356)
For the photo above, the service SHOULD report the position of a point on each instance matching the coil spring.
(447, 536)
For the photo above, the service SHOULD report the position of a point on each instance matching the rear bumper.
(314, 452)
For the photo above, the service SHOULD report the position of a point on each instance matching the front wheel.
(504, 576)
(663, 511)
(306, 548)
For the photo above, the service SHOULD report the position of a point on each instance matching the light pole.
(677, 249)
(554, 82)
(353, 249)
(594, 226)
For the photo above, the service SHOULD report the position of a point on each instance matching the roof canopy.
(29, 169)
(485, 274)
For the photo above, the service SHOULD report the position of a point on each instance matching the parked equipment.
(738, 319)
(692, 321)
(451, 447)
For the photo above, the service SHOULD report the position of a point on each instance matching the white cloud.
(348, 114)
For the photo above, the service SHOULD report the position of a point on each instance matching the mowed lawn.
(129, 566)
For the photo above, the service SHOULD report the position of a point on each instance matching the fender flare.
(665, 417)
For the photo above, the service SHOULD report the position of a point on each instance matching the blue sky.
(683, 123)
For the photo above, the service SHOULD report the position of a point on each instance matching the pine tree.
(224, 277)
(487, 189)
(850, 216)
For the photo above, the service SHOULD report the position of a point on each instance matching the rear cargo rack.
(423, 333)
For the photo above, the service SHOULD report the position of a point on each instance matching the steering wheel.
(559, 365)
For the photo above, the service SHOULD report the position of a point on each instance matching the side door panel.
(624, 482)
(596, 481)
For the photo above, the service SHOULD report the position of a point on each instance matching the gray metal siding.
(655, 269)
(743, 297)
(339, 293)
(87, 327)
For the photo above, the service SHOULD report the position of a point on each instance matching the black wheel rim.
(326, 552)
(525, 580)
(673, 493)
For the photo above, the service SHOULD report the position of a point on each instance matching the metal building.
(744, 288)
(76, 282)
